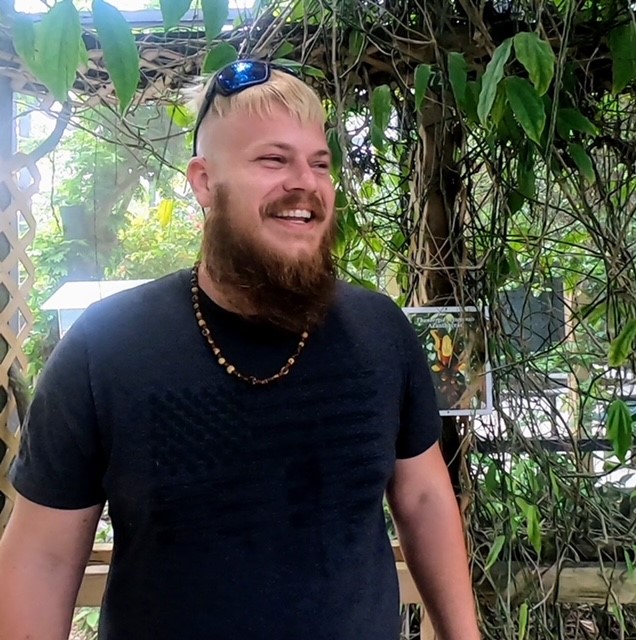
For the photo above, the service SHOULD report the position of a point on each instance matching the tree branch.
(53, 140)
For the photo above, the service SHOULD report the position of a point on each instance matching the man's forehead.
(243, 133)
(281, 130)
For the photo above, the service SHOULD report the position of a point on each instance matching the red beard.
(293, 294)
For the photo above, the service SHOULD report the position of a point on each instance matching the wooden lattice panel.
(17, 229)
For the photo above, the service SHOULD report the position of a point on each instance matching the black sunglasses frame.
(221, 86)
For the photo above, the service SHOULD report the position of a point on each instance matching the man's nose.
(301, 178)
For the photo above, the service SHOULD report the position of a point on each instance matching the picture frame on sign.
(454, 341)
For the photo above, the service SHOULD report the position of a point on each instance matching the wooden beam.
(153, 18)
(93, 586)
(588, 583)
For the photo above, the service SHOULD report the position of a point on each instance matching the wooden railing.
(94, 582)
(589, 583)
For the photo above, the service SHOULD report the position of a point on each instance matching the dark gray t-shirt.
(239, 511)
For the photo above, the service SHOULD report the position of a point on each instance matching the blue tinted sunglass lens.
(241, 75)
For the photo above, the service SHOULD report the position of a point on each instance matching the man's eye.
(273, 159)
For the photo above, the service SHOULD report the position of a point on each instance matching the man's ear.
(200, 179)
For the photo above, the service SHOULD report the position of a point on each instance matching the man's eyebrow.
(283, 146)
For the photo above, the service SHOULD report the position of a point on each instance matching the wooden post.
(426, 628)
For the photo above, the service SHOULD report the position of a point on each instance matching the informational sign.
(453, 339)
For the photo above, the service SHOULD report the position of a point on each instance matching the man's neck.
(216, 293)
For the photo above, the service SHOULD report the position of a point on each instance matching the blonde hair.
(281, 89)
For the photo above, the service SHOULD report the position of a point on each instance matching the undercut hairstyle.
(282, 89)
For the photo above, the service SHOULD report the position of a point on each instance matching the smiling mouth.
(299, 216)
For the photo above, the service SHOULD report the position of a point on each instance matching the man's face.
(276, 174)
(271, 222)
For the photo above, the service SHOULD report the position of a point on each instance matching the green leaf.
(83, 54)
(495, 550)
(500, 106)
(172, 11)
(491, 481)
(582, 161)
(537, 56)
(527, 107)
(313, 72)
(298, 12)
(523, 620)
(533, 526)
(92, 619)
(569, 120)
(491, 79)
(619, 428)
(631, 566)
(215, 14)
(58, 41)
(380, 115)
(515, 202)
(165, 212)
(622, 45)
(423, 74)
(285, 49)
(616, 610)
(219, 56)
(120, 51)
(336, 150)
(303, 69)
(357, 40)
(180, 116)
(458, 74)
(471, 100)
(622, 347)
(24, 39)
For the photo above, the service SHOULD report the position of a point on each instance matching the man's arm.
(431, 536)
(43, 553)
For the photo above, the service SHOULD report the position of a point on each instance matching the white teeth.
(295, 213)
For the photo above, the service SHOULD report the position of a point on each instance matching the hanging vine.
(484, 154)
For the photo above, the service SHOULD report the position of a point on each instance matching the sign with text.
(453, 339)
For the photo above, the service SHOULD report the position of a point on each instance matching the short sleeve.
(60, 462)
(420, 422)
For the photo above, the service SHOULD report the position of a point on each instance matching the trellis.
(17, 229)
(167, 65)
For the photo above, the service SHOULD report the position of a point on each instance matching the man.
(244, 421)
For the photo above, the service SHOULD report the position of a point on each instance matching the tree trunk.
(436, 247)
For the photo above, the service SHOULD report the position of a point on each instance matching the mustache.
(292, 200)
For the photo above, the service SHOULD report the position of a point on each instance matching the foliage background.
(483, 152)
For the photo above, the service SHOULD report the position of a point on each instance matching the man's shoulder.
(371, 311)
(147, 302)
(358, 298)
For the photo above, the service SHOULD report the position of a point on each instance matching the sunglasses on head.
(234, 78)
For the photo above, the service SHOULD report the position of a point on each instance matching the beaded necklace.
(230, 368)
